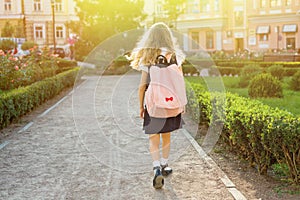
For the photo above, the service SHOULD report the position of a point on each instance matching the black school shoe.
(158, 180)
(165, 170)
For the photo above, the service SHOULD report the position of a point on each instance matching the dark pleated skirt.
(154, 125)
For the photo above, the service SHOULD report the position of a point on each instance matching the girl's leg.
(154, 140)
(166, 141)
(158, 180)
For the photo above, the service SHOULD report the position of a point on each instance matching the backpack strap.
(148, 78)
(173, 60)
(162, 61)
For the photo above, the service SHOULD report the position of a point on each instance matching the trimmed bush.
(189, 69)
(295, 82)
(276, 71)
(229, 70)
(16, 72)
(265, 85)
(198, 109)
(248, 73)
(261, 134)
(290, 71)
(251, 69)
(241, 64)
(236, 64)
(119, 62)
(64, 65)
(290, 68)
(7, 45)
(18, 102)
(28, 45)
(214, 71)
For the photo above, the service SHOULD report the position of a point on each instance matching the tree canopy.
(8, 30)
(173, 9)
(100, 19)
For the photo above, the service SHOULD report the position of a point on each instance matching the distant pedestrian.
(158, 40)
(15, 51)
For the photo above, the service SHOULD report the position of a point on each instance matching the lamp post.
(23, 18)
(53, 23)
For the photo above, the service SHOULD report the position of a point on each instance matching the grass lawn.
(290, 102)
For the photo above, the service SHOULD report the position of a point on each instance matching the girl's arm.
(180, 68)
(142, 89)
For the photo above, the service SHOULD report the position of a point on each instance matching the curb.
(237, 195)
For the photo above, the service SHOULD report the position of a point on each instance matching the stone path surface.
(91, 146)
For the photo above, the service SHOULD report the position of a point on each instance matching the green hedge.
(261, 134)
(18, 102)
(189, 69)
(235, 67)
(230, 67)
(64, 65)
(229, 70)
(241, 64)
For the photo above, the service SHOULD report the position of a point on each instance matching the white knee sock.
(156, 163)
(164, 161)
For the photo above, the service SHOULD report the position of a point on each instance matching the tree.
(173, 9)
(100, 19)
(7, 45)
(28, 45)
(19, 30)
(8, 30)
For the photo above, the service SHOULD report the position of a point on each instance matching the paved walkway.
(90, 146)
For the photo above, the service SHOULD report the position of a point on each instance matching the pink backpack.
(166, 95)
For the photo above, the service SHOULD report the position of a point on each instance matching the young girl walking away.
(158, 40)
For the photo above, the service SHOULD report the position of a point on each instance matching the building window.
(263, 3)
(58, 5)
(239, 18)
(263, 30)
(37, 5)
(288, 2)
(290, 43)
(209, 39)
(275, 3)
(59, 32)
(289, 28)
(263, 37)
(7, 5)
(39, 32)
(195, 40)
(217, 5)
(193, 6)
(204, 6)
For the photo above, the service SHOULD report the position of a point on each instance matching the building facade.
(33, 19)
(236, 25)
(274, 24)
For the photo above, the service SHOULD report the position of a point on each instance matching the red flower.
(16, 68)
(12, 58)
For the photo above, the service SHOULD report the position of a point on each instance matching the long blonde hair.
(158, 37)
